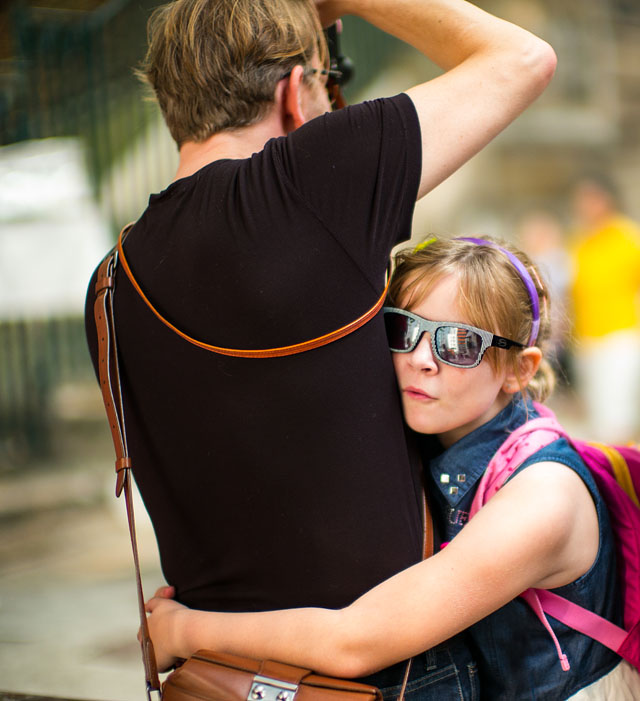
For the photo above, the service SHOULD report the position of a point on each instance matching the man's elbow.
(538, 63)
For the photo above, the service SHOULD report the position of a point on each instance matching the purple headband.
(526, 278)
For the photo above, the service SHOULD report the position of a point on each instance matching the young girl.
(467, 323)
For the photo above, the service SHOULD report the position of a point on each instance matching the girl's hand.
(166, 622)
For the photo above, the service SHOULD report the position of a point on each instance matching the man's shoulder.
(382, 111)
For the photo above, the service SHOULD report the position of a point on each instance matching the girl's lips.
(416, 393)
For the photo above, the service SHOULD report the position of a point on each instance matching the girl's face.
(438, 398)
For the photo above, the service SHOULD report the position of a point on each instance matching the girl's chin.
(429, 428)
(447, 432)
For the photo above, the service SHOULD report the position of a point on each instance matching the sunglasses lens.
(458, 346)
(402, 331)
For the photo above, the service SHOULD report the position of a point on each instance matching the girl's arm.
(540, 530)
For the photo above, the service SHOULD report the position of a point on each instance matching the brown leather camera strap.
(257, 353)
(109, 374)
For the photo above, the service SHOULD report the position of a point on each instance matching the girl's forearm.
(405, 615)
(319, 639)
(390, 623)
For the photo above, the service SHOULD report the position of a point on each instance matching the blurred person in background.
(277, 482)
(606, 298)
(541, 235)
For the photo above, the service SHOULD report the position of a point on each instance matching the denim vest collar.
(456, 471)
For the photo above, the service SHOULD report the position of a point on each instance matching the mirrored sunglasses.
(459, 345)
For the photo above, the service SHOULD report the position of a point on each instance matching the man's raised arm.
(493, 70)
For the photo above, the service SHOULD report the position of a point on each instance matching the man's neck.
(231, 143)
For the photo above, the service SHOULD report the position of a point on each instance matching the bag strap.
(257, 353)
(109, 373)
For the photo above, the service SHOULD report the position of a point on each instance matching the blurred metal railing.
(69, 73)
(36, 356)
(72, 75)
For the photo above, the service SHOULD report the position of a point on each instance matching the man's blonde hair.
(492, 296)
(214, 64)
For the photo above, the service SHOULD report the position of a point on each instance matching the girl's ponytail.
(542, 383)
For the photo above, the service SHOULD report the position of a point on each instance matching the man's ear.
(292, 114)
(528, 364)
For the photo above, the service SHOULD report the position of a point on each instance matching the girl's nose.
(421, 357)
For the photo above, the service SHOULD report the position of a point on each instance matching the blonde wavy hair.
(492, 297)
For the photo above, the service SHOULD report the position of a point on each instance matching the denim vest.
(516, 656)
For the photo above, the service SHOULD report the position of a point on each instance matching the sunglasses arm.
(501, 342)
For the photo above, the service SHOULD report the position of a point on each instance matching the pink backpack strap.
(518, 447)
(581, 619)
(532, 598)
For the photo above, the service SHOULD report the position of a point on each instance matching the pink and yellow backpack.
(616, 471)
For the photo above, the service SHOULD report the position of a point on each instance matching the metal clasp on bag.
(268, 689)
(153, 694)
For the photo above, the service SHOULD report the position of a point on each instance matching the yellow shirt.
(606, 286)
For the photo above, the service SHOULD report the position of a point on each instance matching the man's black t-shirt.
(279, 482)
